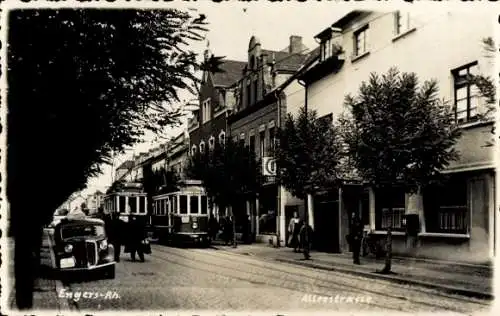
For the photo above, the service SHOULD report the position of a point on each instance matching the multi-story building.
(217, 98)
(254, 121)
(457, 220)
(124, 169)
(94, 201)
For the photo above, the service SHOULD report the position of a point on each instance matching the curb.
(372, 275)
(63, 303)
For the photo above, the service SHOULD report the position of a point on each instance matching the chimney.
(295, 44)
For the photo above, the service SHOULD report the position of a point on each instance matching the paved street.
(199, 279)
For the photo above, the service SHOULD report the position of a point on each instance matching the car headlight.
(68, 248)
(103, 245)
(195, 225)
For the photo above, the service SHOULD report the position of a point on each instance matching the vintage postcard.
(248, 157)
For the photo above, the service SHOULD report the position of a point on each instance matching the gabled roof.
(233, 71)
(341, 23)
(285, 61)
(129, 164)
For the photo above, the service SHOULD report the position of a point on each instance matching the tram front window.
(194, 204)
(183, 205)
(122, 204)
(142, 205)
(204, 205)
(132, 202)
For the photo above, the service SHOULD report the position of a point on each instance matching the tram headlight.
(68, 248)
(195, 225)
(103, 245)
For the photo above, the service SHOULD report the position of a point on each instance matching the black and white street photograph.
(256, 157)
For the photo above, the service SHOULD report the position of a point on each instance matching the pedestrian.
(213, 227)
(228, 231)
(136, 238)
(305, 240)
(245, 229)
(293, 230)
(355, 237)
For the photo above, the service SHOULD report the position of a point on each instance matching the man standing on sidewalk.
(356, 236)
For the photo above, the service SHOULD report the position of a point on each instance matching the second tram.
(181, 217)
(131, 200)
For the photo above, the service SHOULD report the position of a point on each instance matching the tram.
(129, 200)
(181, 217)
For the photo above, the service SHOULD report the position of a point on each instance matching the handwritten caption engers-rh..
(76, 296)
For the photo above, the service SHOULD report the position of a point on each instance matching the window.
(142, 205)
(202, 147)
(251, 144)
(390, 209)
(193, 150)
(122, 204)
(255, 90)
(361, 41)
(262, 143)
(272, 139)
(401, 22)
(242, 139)
(132, 203)
(222, 99)
(466, 94)
(222, 138)
(445, 206)
(183, 205)
(327, 49)
(206, 111)
(249, 93)
(204, 204)
(194, 204)
(211, 142)
(174, 204)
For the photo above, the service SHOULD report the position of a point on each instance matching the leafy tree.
(98, 80)
(399, 133)
(230, 173)
(308, 153)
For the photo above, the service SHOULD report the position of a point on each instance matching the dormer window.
(222, 138)
(211, 143)
(401, 22)
(327, 46)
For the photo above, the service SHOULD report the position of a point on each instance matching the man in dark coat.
(356, 236)
(136, 236)
(213, 227)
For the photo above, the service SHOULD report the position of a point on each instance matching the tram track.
(226, 264)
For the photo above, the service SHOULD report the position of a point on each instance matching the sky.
(230, 29)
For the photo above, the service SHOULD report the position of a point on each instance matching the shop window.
(445, 206)
(390, 209)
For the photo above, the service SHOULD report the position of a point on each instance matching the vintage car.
(79, 243)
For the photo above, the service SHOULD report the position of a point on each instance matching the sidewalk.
(452, 277)
(45, 292)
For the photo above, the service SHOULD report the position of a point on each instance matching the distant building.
(94, 201)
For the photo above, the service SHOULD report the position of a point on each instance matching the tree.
(229, 172)
(308, 154)
(98, 81)
(398, 133)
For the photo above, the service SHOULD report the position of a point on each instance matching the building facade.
(254, 122)
(456, 220)
(95, 201)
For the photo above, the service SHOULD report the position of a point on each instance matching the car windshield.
(82, 231)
